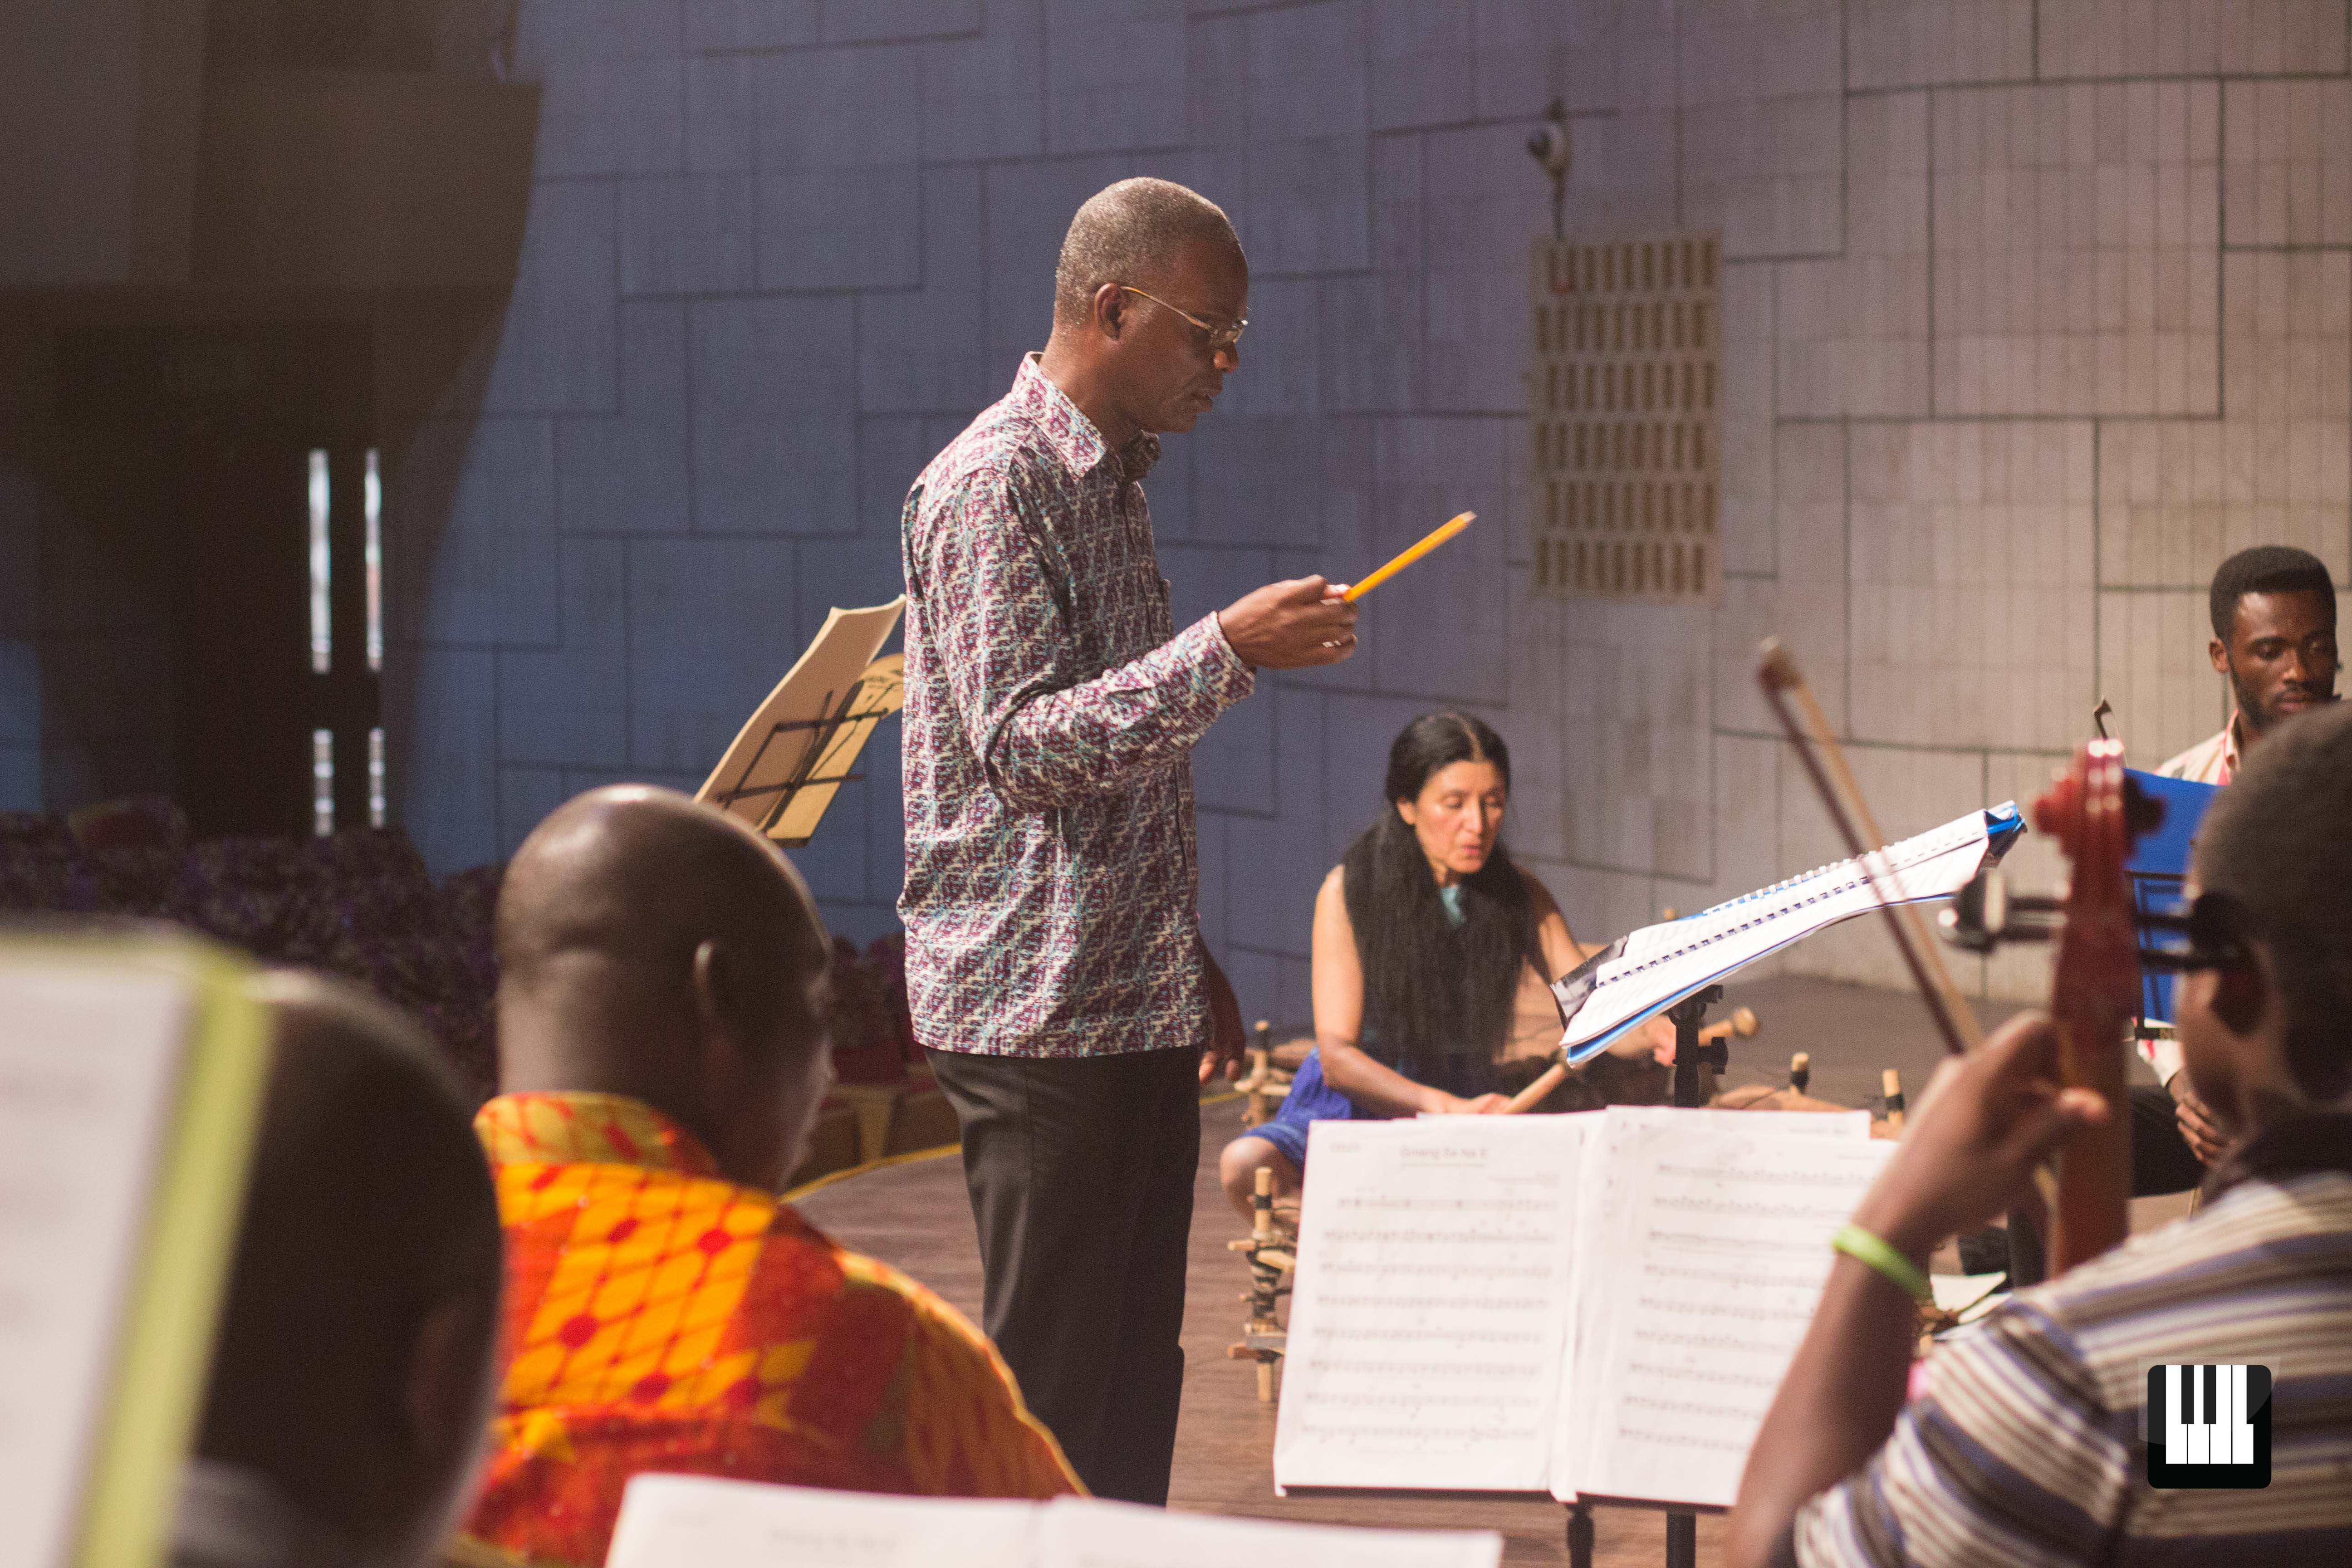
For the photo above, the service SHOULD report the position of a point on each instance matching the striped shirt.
(1052, 707)
(2025, 1448)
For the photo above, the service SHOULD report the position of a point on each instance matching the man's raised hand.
(1291, 626)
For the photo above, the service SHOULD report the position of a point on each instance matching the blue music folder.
(2158, 867)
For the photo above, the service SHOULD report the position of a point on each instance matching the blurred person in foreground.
(2024, 1446)
(351, 1371)
(662, 980)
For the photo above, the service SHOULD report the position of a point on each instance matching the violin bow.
(1825, 763)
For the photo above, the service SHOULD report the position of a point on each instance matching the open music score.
(1699, 1263)
(669, 1519)
(1600, 1303)
(1425, 1325)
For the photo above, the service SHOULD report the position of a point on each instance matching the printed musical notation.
(668, 1520)
(1089, 1534)
(1425, 1323)
(1694, 1285)
(713, 1523)
(1600, 1302)
(1658, 965)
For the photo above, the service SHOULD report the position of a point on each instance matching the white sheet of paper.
(1969, 1295)
(1844, 1125)
(1600, 1196)
(669, 1521)
(1427, 1317)
(1650, 968)
(1080, 1533)
(1697, 1278)
(90, 1057)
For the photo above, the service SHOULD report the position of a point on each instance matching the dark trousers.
(1081, 1173)
(2161, 1160)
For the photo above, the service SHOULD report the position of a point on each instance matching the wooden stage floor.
(914, 1215)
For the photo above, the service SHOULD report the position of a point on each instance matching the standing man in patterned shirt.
(1055, 964)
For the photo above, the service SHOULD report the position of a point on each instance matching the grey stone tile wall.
(2032, 316)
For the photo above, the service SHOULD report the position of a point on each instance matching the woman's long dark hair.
(1437, 997)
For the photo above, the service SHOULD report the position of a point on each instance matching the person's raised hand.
(1969, 1152)
(2200, 1128)
(1291, 626)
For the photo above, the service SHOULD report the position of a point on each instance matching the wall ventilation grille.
(1625, 392)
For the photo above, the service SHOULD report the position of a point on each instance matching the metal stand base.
(1580, 1535)
(1690, 1060)
(1681, 1540)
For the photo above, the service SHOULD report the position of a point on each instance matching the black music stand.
(1690, 1057)
(798, 747)
(834, 745)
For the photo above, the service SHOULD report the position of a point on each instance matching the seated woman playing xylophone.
(1432, 954)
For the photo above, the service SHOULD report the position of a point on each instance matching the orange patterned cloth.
(660, 1317)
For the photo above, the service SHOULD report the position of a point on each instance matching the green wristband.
(1867, 1248)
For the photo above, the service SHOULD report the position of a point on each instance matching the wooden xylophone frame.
(1271, 1255)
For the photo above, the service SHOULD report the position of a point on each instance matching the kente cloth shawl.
(658, 1317)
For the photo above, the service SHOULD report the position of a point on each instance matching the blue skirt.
(1311, 1099)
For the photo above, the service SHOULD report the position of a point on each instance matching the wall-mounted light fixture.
(1549, 147)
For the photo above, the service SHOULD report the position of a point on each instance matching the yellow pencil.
(1436, 537)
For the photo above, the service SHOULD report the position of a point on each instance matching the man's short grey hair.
(1132, 233)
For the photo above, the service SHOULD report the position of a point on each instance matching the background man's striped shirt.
(2026, 1448)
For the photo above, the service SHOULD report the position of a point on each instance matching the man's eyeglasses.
(1220, 338)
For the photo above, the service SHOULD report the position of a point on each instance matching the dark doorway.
(273, 511)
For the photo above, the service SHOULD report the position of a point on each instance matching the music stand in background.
(2158, 870)
(798, 746)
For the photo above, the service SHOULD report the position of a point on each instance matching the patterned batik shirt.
(1051, 712)
(660, 1317)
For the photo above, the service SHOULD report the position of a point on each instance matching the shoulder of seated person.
(2249, 1218)
(472, 1551)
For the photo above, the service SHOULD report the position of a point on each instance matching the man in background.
(1055, 964)
(662, 1047)
(351, 1371)
(2273, 612)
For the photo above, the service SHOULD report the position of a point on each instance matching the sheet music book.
(131, 1073)
(796, 749)
(1658, 965)
(1699, 1262)
(670, 1520)
(1600, 1302)
(1424, 1347)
